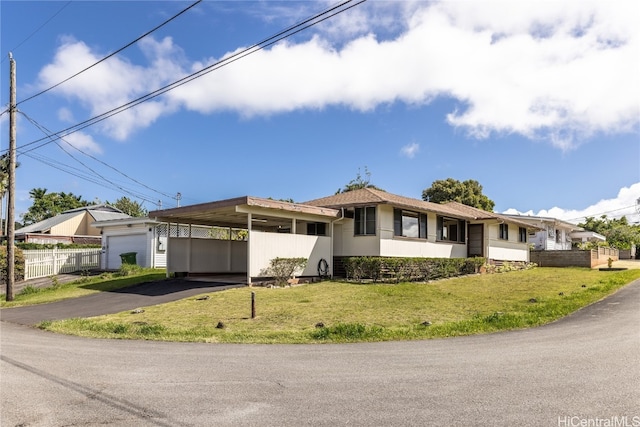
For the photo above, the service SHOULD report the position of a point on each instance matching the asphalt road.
(584, 368)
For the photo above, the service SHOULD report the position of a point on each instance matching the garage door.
(117, 245)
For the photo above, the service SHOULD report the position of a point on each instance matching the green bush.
(399, 269)
(18, 266)
(282, 269)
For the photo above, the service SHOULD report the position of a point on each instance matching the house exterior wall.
(266, 246)
(348, 244)
(505, 250)
(395, 246)
(70, 227)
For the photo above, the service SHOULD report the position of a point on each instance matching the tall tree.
(359, 182)
(46, 205)
(619, 233)
(130, 207)
(468, 192)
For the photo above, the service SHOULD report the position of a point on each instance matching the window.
(316, 229)
(365, 221)
(451, 229)
(558, 236)
(504, 231)
(522, 234)
(409, 224)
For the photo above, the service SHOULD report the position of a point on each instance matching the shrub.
(282, 269)
(397, 269)
(19, 265)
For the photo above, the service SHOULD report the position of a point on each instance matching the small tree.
(282, 269)
(359, 182)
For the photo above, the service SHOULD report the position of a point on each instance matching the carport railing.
(49, 262)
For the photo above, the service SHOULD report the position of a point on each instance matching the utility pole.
(11, 258)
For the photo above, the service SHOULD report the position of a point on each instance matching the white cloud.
(83, 142)
(560, 71)
(410, 150)
(65, 115)
(113, 83)
(624, 204)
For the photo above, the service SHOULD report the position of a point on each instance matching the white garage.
(145, 237)
(116, 245)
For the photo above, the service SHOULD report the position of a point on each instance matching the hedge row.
(18, 269)
(408, 269)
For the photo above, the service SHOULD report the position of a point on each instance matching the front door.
(476, 239)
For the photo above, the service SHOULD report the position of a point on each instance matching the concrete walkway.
(624, 263)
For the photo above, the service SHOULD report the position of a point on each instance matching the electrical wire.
(602, 213)
(314, 20)
(38, 29)
(112, 54)
(90, 178)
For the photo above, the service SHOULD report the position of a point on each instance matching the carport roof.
(229, 212)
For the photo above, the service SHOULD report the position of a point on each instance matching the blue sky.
(537, 101)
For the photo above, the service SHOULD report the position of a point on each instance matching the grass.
(85, 285)
(354, 313)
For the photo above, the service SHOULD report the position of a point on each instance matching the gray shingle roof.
(369, 196)
(98, 212)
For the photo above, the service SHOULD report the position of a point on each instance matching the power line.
(40, 27)
(112, 54)
(89, 177)
(601, 213)
(314, 20)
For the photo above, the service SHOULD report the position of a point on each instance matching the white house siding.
(391, 245)
(266, 246)
(195, 255)
(349, 244)
(506, 250)
(421, 248)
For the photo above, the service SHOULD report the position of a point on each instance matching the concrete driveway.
(581, 370)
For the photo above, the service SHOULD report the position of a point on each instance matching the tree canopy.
(130, 207)
(619, 233)
(468, 192)
(46, 205)
(359, 182)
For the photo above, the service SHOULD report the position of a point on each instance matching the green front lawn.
(356, 312)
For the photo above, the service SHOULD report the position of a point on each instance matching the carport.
(259, 230)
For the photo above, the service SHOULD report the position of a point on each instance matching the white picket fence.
(49, 262)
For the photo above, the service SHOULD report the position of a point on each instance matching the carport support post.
(249, 249)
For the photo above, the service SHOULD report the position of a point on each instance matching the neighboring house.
(365, 222)
(555, 234)
(72, 226)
